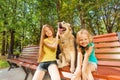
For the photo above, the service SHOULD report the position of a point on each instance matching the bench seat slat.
(16, 61)
(105, 71)
(31, 61)
(34, 67)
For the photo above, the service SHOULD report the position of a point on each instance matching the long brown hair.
(43, 36)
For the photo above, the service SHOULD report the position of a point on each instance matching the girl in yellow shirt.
(47, 55)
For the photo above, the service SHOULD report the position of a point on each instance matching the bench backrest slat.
(109, 63)
(107, 49)
(29, 54)
(108, 56)
(111, 44)
(106, 39)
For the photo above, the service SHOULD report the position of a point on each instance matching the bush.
(3, 62)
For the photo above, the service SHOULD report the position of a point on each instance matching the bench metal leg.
(32, 71)
(26, 70)
(12, 65)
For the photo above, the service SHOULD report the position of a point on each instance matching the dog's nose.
(60, 25)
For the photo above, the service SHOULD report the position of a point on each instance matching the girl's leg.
(39, 75)
(90, 76)
(84, 73)
(53, 71)
(91, 67)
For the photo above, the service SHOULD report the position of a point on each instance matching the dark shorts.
(44, 65)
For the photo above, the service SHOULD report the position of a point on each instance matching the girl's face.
(83, 40)
(48, 32)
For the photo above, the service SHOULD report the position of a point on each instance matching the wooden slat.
(107, 50)
(66, 75)
(106, 39)
(111, 44)
(30, 57)
(16, 61)
(36, 46)
(28, 50)
(34, 67)
(105, 35)
(107, 73)
(29, 54)
(28, 61)
(109, 63)
(108, 56)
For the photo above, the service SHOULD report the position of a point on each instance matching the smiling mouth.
(61, 28)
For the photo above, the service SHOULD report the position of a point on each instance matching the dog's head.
(64, 28)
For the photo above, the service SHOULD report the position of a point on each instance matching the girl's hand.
(57, 34)
(76, 77)
(43, 26)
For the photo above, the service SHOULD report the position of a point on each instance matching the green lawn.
(3, 62)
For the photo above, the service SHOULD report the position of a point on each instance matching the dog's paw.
(59, 64)
(72, 69)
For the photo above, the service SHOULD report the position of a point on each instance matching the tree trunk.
(3, 44)
(11, 48)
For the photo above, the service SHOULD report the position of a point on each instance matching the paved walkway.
(15, 74)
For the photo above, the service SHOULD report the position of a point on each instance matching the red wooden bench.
(107, 51)
(108, 54)
(107, 48)
(27, 60)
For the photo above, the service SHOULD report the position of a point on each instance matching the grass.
(3, 62)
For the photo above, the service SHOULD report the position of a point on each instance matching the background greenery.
(21, 20)
(3, 63)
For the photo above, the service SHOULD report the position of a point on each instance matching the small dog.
(67, 46)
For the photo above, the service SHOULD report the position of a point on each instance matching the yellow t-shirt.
(49, 54)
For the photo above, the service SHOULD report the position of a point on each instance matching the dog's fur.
(67, 46)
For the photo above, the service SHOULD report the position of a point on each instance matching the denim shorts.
(44, 65)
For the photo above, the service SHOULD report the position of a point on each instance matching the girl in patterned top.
(47, 55)
(86, 59)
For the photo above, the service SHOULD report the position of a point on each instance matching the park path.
(15, 74)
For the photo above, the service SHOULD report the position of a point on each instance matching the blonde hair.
(43, 36)
(84, 31)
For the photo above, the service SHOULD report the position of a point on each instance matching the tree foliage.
(21, 20)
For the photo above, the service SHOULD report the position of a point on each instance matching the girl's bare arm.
(87, 54)
(79, 62)
(52, 45)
